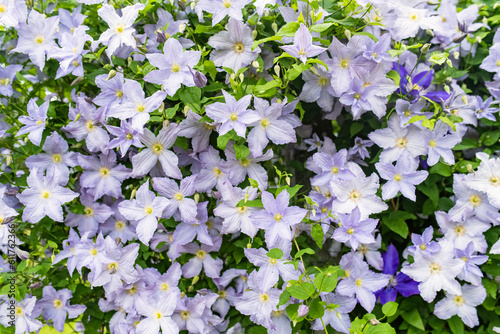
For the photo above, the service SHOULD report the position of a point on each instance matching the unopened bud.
(200, 80)
(456, 54)
(313, 212)
(11, 192)
(266, 13)
(469, 168)
(254, 34)
(348, 34)
(143, 48)
(77, 117)
(249, 245)
(233, 76)
(374, 322)
(275, 27)
(479, 39)
(23, 255)
(196, 198)
(185, 110)
(182, 27)
(464, 100)
(35, 285)
(287, 180)
(302, 311)
(425, 48)
(447, 89)
(162, 107)
(132, 194)
(76, 81)
(166, 123)
(277, 70)
(192, 5)
(241, 76)
(191, 288)
(111, 75)
(485, 20)
(430, 32)
(432, 3)
(449, 62)
(160, 36)
(172, 2)
(118, 240)
(255, 64)
(314, 70)
(129, 61)
(183, 294)
(8, 159)
(195, 280)
(182, 5)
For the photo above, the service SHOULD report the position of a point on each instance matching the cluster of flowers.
(156, 159)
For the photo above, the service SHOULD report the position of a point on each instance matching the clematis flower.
(232, 114)
(487, 178)
(317, 88)
(277, 218)
(157, 151)
(233, 48)
(44, 197)
(70, 21)
(460, 233)
(120, 30)
(157, 315)
(471, 272)
(211, 174)
(424, 244)
(13, 13)
(126, 136)
(268, 127)
(302, 47)
(202, 259)
(94, 214)
(167, 283)
(7, 75)
(103, 176)
(34, 124)
(440, 141)
(71, 52)
(462, 304)
(221, 8)
(36, 38)
(55, 306)
(191, 127)
(56, 156)
(178, 196)
(175, 66)
(403, 177)
(337, 317)
(333, 168)
(354, 229)
(111, 90)
(24, 321)
(145, 209)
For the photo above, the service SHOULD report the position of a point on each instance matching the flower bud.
(425, 48)
(23, 255)
(166, 123)
(479, 39)
(277, 70)
(255, 64)
(200, 80)
(182, 5)
(195, 280)
(111, 75)
(254, 34)
(348, 34)
(132, 194)
(374, 322)
(160, 36)
(447, 89)
(287, 180)
(182, 27)
(469, 168)
(302, 311)
(196, 198)
(35, 285)
(485, 20)
(192, 4)
(249, 245)
(185, 110)
(143, 48)
(76, 81)
(241, 76)
(456, 54)
(464, 100)
(430, 32)
(77, 117)
(162, 107)
(449, 63)
(275, 27)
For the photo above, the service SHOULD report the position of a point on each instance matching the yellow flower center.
(464, 259)
(454, 112)
(119, 28)
(354, 195)
(241, 210)
(2, 8)
(272, 261)
(350, 231)
(39, 122)
(4, 81)
(233, 117)
(223, 294)
(178, 197)
(495, 180)
(238, 47)
(19, 311)
(374, 55)
(264, 297)
(112, 267)
(56, 158)
(278, 217)
(359, 282)
(75, 63)
(344, 63)
(423, 246)
(176, 67)
(363, 249)
(89, 212)
(45, 194)
(432, 143)
(244, 162)
(164, 286)
(357, 96)
(158, 315)
(93, 252)
(89, 125)
(103, 171)
(401, 142)
(157, 148)
(132, 291)
(217, 172)
(302, 52)
(201, 254)
(140, 108)
(475, 200)
(119, 225)
(413, 17)
(498, 62)
(265, 122)
(129, 136)
(39, 39)
(435, 268)
(324, 209)
(185, 315)
(397, 177)
(459, 230)
(57, 303)
(118, 93)
(459, 300)
(407, 113)
(148, 210)
(323, 81)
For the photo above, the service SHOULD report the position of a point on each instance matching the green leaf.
(267, 39)
(355, 128)
(439, 57)
(413, 318)
(253, 183)
(322, 26)
(382, 328)
(296, 70)
(170, 112)
(293, 190)
(304, 251)
(390, 308)
(241, 151)
(190, 95)
(448, 121)
(317, 234)
(326, 281)
(275, 253)
(284, 297)
(222, 140)
(456, 325)
(209, 67)
(261, 89)
(396, 222)
(301, 290)
(491, 287)
(441, 169)
(288, 29)
(431, 190)
(316, 309)
(291, 311)
(256, 203)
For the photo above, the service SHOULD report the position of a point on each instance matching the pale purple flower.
(126, 136)
(435, 272)
(14, 12)
(44, 197)
(396, 139)
(136, 107)
(354, 229)
(424, 244)
(167, 283)
(71, 52)
(36, 38)
(145, 209)
(55, 306)
(232, 114)
(403, 177)
(333, 168)
(338, 317)
(24, 321)
(94, 214)
(34, 124)
(490, 63)
(277, 218)
(360, 148)
(233, 48)
(189, 314)
(462, 304)
(174, 65)
(103, 176)
(117, 226)
(484, 108)
(317, 88)
(487, 178)
(270, 270)
(186, 231)
(406, 110)
(302, 47)
(111, 90)
(70, 21)
(68, 251)
(268, 127)
(120, 30)
(157, 315)
(463, 231)
(221, 8)
(56, 156)
(202, 259)
(439, 142)
(157, 151)
(361, 281)
(92, 254)
(471, 272)
(7, 75)
(199, 132)
(236, 218)
(178, 197)
(211, 174)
